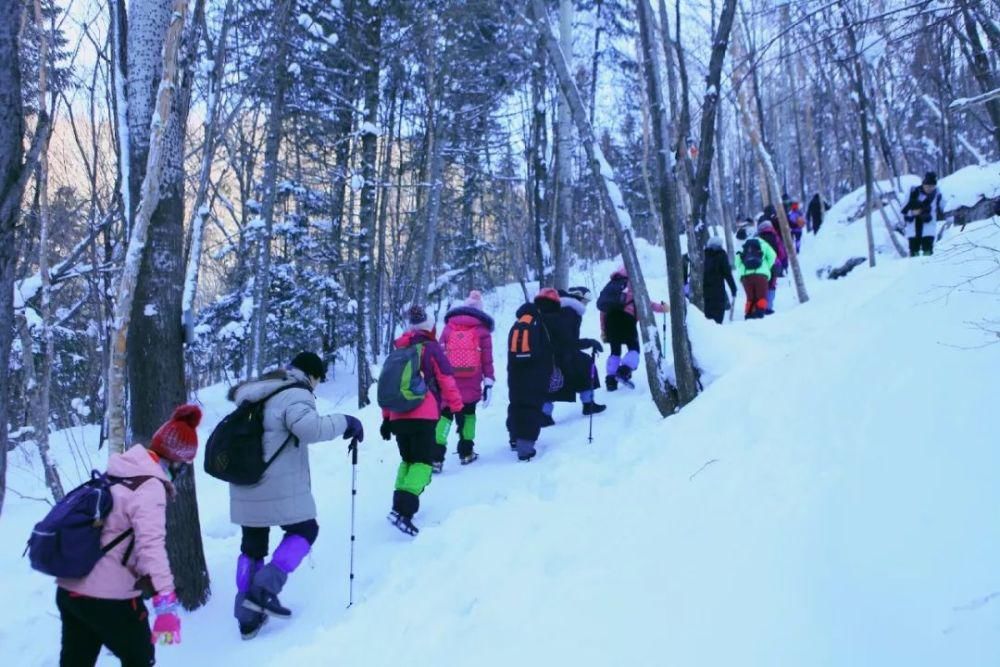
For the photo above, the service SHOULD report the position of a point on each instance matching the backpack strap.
(130, 483)
(291, 436)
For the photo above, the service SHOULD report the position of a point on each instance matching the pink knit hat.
(475, 300)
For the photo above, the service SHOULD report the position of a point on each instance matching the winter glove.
(384, 430)
(354, 430)
(167, 626)
(487, 392)
(592, 344)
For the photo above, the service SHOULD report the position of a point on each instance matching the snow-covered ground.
(830, 499)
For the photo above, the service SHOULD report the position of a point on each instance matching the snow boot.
(625, 376)
(525, 449)
(547, 421)
(403, 523)
(250, 622)
(437, 467)
(593, 408)
(466, 460)
(268, 582)
(611, 383)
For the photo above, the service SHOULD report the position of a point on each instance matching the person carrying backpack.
(922, 212)
(767, 232)
(754, 264)
(283, 496)
(577, 367)
(814, 213)
(619, 327)
(531, 372)
(105, 607)
(796, 224)
(718, 274)
(467, 339)
(414, 427)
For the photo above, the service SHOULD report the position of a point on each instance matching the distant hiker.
(754, 264)
(767, 232)
(922, 212)
(579, 373)
(531, 372)
(619, 327)
(283, 496)
(745, 228)
(105, 607)
(796, 223)
(815, 212)
(467, 339)
(718, 274)
(412, 401)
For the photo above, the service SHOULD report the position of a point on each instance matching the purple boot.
(250, 622)
(262, 597)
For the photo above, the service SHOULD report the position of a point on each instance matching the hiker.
(767, 232)
(415, 428)
(814, 213)
(467, 339)
(105, 607)
(745, 228)
(754, 264)
(922, 212)
(796, 224)
(283, 496)
(577, 367)
(530, 372)
(718, 274)
(619, 327)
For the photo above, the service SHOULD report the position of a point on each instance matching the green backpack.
(401, 385)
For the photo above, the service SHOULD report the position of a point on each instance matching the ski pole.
(593, 376)
(353, 449)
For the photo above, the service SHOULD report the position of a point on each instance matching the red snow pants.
(756, 289)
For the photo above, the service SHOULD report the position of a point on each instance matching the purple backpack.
(67, 542)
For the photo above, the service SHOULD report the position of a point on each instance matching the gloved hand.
(384, 430)
(487, 392)
(592, 344)
(354, 430)
(167, 626)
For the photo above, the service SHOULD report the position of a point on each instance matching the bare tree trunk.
(741, 74)
(272, 147)
(538, 169)
(564, 160)
(663, 396)
(980, 65)
(372, 31)
(435, 156)
(150, 196)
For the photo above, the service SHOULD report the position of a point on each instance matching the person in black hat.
(922, 212)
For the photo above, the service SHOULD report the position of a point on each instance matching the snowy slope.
(829, 500)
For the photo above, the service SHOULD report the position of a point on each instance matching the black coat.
(576, 366)
(718, 273)
(814, 212)
(528, 382)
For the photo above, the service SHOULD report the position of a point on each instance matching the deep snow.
(830, 499)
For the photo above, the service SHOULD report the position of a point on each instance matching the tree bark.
(564, 160)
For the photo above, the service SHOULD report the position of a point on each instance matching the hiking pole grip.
(353, 449)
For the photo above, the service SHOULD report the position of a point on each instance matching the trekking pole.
(664, 326)
(353, 449)
(593, 376)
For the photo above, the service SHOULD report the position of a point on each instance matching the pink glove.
(167, 626)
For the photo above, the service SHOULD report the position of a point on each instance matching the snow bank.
(969, 186)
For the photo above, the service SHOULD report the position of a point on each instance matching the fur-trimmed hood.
(256, 390)
(471, 312)
(575, 305)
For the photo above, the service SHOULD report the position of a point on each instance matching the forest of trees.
(191, 191)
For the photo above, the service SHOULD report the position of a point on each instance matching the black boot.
(611, 383)
(593, 408)
(403, 523)
(547, 421)
(263, 594)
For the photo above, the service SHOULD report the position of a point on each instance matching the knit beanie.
(418, 319)
(547, 296)
(310, 364)
(930, 178)
(475, 300)
(177, 439)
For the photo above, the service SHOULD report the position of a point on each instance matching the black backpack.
(235, 450)
(753, 254)
(528, 340)
(612, 297)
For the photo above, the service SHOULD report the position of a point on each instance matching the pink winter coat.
(144, 510)
(434, 366)
(466, 317)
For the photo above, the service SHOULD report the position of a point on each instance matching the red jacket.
(442, 390)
